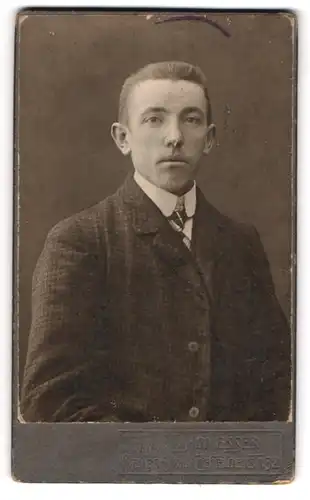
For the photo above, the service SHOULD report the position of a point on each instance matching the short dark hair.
(172, 70)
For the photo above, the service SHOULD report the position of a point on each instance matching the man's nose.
(174, 136)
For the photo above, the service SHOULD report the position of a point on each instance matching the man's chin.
(177, 186)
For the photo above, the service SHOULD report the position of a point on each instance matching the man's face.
(167, 131)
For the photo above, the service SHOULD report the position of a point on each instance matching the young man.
(152, 305)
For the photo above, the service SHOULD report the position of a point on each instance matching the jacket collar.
(149, 219)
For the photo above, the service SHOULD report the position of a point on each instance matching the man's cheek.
(197, 146)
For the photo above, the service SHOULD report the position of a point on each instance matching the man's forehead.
(165, 92)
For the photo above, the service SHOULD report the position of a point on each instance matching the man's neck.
(164, 199)
(178, 192)
(185, 189)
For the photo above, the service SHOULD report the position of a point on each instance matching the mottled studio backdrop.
(70, 69)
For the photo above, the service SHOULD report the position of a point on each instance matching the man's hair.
(171, 70)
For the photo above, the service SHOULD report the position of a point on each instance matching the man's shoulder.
(238, 228)
(235, 239)
(227, 225)
(86, 223)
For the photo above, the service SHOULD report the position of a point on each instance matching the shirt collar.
(164, 200)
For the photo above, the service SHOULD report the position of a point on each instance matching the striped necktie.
(178, 219)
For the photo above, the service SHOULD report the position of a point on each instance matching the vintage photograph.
(155, 217)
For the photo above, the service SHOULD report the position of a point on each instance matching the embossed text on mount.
(204, 452)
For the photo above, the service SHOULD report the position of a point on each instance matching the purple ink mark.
(191, 17)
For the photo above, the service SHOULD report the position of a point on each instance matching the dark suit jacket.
(129, 325)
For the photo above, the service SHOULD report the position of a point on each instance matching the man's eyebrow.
(192, 109)
(154, 109)
(161, 109)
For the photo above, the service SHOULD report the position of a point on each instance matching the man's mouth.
(173, 159)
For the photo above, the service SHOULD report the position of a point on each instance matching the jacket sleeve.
(67, 366)
(267, 360)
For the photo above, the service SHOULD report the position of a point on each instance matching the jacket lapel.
(208, 223)
(150, 224)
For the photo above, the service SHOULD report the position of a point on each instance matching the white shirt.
(166, 201)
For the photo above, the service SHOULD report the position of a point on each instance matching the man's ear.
(210, 136)
(119, 133)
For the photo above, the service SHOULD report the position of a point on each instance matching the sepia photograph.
(155, 218)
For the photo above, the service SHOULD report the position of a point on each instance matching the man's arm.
(268, 360)
(64, 374)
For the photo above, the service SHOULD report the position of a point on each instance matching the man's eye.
(155, 120)
(196, 120)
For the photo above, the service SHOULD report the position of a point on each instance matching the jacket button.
(193, 412)
(193, 346)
